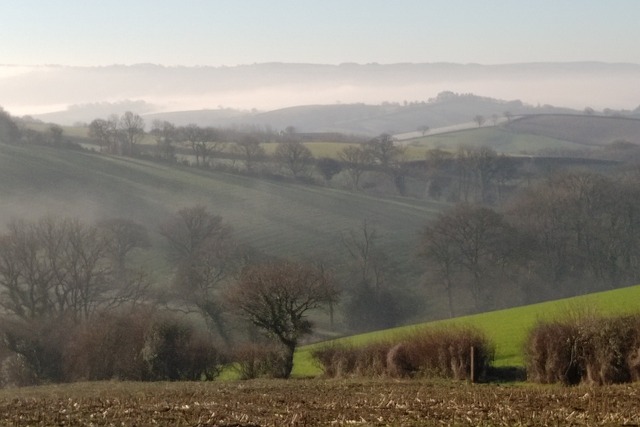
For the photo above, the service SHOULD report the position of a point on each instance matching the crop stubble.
(317, 402)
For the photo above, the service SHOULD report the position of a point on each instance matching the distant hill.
(272, 86)
(539, 134)
(581, 129)
(447, 109)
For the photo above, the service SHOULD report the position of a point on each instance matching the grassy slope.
(501, 139)
(539, 133)
(507, 328)
(281, 218)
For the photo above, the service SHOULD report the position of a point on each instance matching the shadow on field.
(505, 374)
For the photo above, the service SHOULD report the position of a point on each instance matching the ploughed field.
(318, 402)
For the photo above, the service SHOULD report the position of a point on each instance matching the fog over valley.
(269, 86)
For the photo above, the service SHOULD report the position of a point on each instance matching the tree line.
(575, 232)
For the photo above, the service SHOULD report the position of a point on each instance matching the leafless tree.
(56, 268)
(249, 148)
(131, 129)
(479, 119)
(104, 132)
(277, 296)
(356, 161)
(204, 142)
(164, 133)
(294, 157)
(206, 258)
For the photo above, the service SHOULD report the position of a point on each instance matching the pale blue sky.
(232, 32)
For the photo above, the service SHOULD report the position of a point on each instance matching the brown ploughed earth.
(316, 403)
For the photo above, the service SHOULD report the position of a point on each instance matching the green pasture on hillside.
(506, 328)
(499, 138)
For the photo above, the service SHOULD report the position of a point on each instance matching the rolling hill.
(506, 328)
(277, 217)
(539, 134)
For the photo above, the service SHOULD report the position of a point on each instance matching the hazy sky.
(232, 32)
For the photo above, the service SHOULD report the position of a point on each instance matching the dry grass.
(317, 402)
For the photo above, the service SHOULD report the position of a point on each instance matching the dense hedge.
(593, 350)
(427, 353)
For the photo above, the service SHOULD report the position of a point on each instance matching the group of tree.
(573, 233)
(77, 302)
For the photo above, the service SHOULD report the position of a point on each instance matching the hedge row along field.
(456, 353)
(592, 350)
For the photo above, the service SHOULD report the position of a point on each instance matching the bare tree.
(204, 142)
(276, 297)
(294, 157)
(249, 148)
(104, 132)
(479, 119)
(189, 229)
(383, 150)
(165, 134)
(206, 258)
(122, 237)
(57, 268)
(131, 128)
(356, 160)
(471, 239)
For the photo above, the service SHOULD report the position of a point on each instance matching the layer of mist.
(39, 90)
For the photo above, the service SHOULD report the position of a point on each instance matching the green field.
(506, 328)
(501, 139)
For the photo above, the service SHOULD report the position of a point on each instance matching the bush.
(590, 350)
(109, 346)
(441, 353)
(551, 354)
(140, 346)
(35, 351)
(252, 361)
(172, 351)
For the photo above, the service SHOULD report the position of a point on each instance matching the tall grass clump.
(591, 349)
(445, 353)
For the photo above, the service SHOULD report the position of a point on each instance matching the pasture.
(508, 328)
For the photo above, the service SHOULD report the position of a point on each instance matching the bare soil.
(318, 402)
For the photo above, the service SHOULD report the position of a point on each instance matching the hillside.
(581, 129)
(506, 328)
(538, 134)
(447, 109)
(279, 218)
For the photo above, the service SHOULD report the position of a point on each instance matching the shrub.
(252, 361)
(442, 353)
(551, 354)
(447, 353)
(35, 350)
(593, 350)
(109, 346)
(173, 351)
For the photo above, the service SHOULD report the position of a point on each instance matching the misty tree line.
(77, 302)
(377, 165)
(573, 233)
